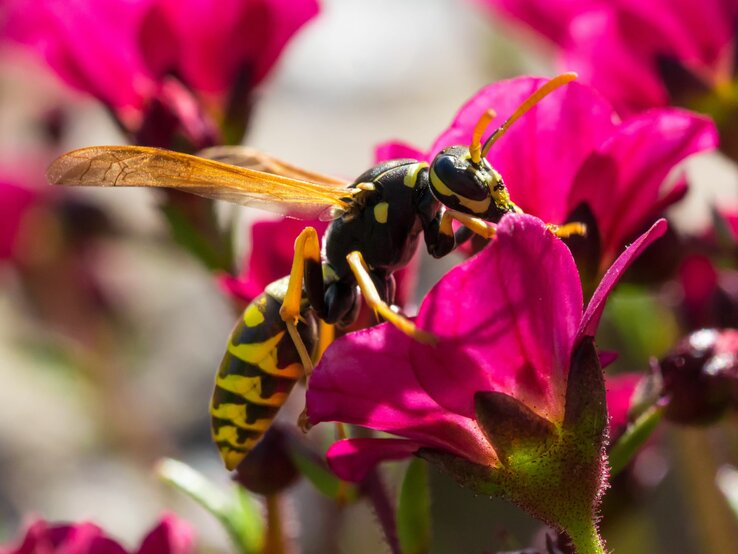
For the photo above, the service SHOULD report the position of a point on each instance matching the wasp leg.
(380, 307)
(568, 229)
(305, 262)
(475, 224)
(326, 334)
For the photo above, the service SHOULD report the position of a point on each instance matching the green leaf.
(413, 510)
(634, 437)
(322, 478)
(239, 514)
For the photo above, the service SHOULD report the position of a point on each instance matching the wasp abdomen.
(256, 374)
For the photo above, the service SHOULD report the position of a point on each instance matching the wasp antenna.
(475, 148)
(532, 100)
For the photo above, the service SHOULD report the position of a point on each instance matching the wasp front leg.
(306, 265)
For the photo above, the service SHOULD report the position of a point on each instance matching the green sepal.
(585, 412)
(413, 510)
(238, 513)
(511, 427)
(555, 472)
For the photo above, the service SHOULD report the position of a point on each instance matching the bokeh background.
(81, 428)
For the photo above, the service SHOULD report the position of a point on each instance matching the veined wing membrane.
(138, 166)
(251, 158)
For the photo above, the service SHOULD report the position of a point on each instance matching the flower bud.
(700, 376)
(268, 469)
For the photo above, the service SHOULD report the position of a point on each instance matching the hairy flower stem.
(635, 435)
(586, 539)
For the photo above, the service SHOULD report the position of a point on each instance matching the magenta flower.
(572, 149)
(513, 369)
(214, 50)
(170, 536)
(170, 61)
(638, 54)
(270, 258)
(15, 203)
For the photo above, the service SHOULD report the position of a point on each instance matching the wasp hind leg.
(381, 308)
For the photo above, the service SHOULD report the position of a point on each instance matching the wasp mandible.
(376, 225)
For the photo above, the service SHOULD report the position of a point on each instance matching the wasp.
(376, 225)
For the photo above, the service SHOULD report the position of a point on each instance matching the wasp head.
(474, 188)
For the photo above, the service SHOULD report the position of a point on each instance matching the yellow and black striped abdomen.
(256, 374)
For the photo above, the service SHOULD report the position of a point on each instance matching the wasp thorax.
(472, 188)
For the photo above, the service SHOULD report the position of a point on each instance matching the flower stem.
(274, 541)
(625, 448)
(586, 539)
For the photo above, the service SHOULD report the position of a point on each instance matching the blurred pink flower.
(503, 325)
(270, 258)
(170, 536)
(142, 56)
(572, 148)
(638, 54)
(15, 203)
(620, 390)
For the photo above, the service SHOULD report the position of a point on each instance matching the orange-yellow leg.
(476, 224)
(568, 229)
(379, 306)
(488, 230)
(307, 246)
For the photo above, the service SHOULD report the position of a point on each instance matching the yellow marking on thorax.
(475, 206)
(236, 414)
(380, 212)
(250, 389)
(253, 316)
(255, 352)
(411, 177)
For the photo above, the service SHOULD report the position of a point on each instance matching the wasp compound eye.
(458, 175)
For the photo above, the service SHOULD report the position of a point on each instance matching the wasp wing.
(251, 158)
(139, 166)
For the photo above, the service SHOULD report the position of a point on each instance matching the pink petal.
(697, 33)
(620, 389)
(541, 153)
(270, 258)
(613, 52)
(15, 202)
(365, 378)
(551, 19)
(80, 538)
(209, 48)
(622, 179)
(102, 61)
(591, 318)
(352, 459)
(506, 320)
(397, 150)
(171, 536)
(699, 280)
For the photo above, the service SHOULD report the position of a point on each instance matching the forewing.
(138, 166)
(251, 158)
